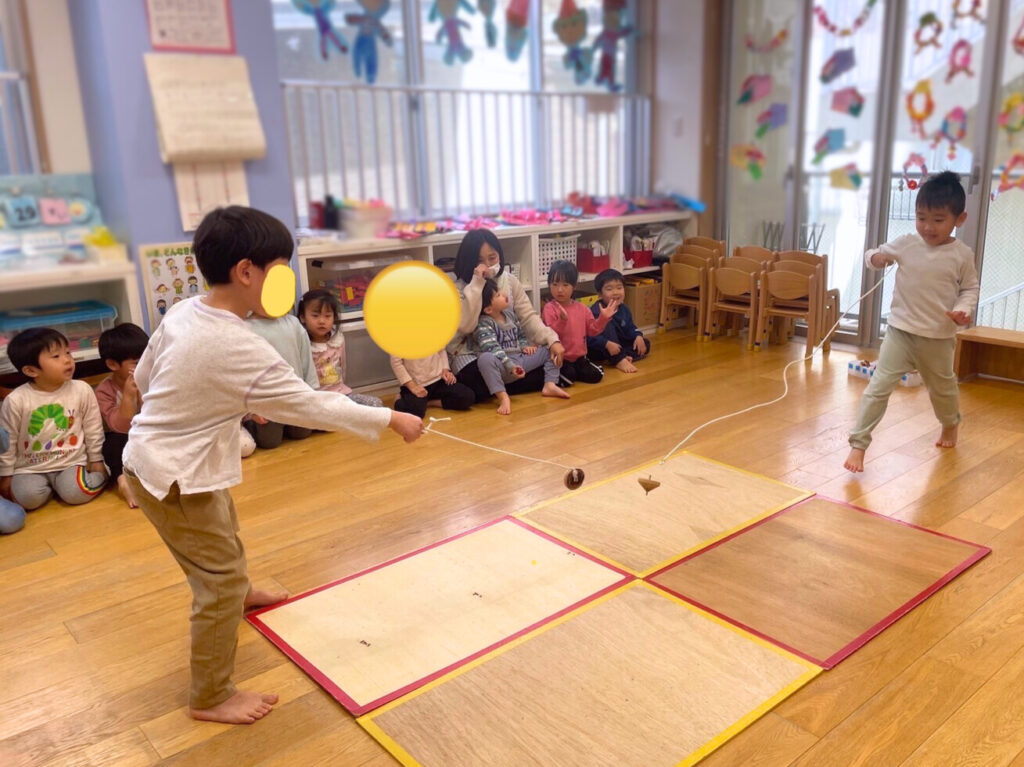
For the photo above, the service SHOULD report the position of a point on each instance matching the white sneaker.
(247, 442)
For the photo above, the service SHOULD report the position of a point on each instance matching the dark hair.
(608, 275)
(28, 346)
(123, 342)
(318, 299)
(487, 294)
(227, 235)
(468, 257)
(563, 271)
(942, 191)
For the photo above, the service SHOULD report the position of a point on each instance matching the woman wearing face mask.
(479, 257)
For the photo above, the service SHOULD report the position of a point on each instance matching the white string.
(785, 371)
(430, 429)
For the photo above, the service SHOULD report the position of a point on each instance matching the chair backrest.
(749, 265)
(802, 255)
(707, 242)
(794, 266)
(688, 258)
(788, 286)
(733, 282)
(755, 252)
(680, 277)
(701, 252)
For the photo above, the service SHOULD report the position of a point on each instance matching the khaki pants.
(902, 352)
(201, 530)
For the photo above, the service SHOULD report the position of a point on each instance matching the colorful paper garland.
(923, 89)
(1011, 118)
(960, 59)
(971, 14)
(914, 160)
(827, 23)
(927, 21)
(774, 42)
(1005, 182)
(953, 130)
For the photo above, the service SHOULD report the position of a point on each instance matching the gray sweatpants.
(902, 352)
(73, 485)
(495, 375)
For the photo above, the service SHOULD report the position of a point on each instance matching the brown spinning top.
(648, 484)
(573, 478)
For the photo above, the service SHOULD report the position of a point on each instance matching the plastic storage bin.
(81, 322)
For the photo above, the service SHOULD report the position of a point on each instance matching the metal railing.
(19, 150)
(436, 152)
(1004, 309)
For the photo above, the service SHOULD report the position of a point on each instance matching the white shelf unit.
(368, 365)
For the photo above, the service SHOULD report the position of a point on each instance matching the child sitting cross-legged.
(429, 381)
(574, 322)
(504, 355)
(621, 342)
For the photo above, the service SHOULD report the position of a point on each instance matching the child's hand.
(5, 488)
(415, 388)
(613, 348)
(448, 377)
(562, 315)
(96, 466)
(640, 345)
(529, 350)
(406, 425)
(557, 353)
(880, 260)
(609, 310)
(481, 271)
(519, 372)
(131, 389)
(960, 318)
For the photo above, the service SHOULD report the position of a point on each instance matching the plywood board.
(821, 578)
(698, 502)
(377, 634)
(633, 678)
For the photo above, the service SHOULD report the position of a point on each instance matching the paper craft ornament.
(953, 130)
(848, 101)
(960, 59)
(451, 24)
(914, 160)
(1011, 117)
(320, 10)
(841, 62)
(1018, 39)
(771, 118)
(486, 8)
(928, 31)
(974, 12)
(1006, 182)
(773, 42)
(822, 15)
(748, 157)
(845, 177)
(517, 18)
(755, 88)
(570, 28)
(368, 29)
(831, 140)
(919, 113)
(608, 42)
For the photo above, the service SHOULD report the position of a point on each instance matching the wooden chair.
(744, 264)
(710, 256)
(829, 305)
(684, 286)
(781, 292)
(707, 242)
(732, 291)
(755, 252)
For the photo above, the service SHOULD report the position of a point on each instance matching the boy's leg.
(567, 375)
(539, 359)
(408, 402)
(453, 396)
(934, 360)
(470, 376)
(492, 371)
(268, 435)
(76, 485)
(113, 448)
(30, 491)
(366, 399)
(12, 517)
(895, 358)
(586, 371)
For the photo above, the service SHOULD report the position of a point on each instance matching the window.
(19, 151)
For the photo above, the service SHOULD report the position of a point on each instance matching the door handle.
(974, 179)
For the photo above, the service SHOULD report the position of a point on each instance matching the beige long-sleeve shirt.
(423, 372)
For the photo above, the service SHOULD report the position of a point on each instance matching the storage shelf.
(66, 274)
(641, 269)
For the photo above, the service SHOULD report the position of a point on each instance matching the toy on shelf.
(81, 322)
(363, 220)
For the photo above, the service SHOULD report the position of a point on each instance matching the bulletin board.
(171, 275)
(198, 26)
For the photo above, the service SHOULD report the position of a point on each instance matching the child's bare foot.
(241, 708)
(263, 597)
(626, 365)
(855, 460)
(504, 404)
(948, 436)
(551, 389)
(126, 492)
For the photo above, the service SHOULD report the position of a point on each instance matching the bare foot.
(263, 597)
(241, 708)
(504, 404)
(126, 492)
(626, 365)
(948, 436)
(855, 460)
(552, 389)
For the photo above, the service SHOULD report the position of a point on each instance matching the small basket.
(553, 249)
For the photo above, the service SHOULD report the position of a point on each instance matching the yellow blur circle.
(411, 309)
(278, 294)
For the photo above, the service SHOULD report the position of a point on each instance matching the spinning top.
(573, 478)
(648, 484)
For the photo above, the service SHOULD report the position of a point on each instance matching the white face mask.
(493, 270)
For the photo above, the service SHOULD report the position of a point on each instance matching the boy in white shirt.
(936, 291)
(203, 369)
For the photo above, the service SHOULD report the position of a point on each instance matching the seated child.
(55, 426)
(504, 355)
(574, 323)
(429, 381)
(288, 337)
(118, 396)
(12, 516)
(320, 313)
(621, 343)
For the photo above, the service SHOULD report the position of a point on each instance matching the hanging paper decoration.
(368, 29)
(755, 88)
(848, 100)
(913, 161)
(1018, 39)
(773, 42)
(841, 62)
(771, 118)
(571, 27)
(953, 130)
(1006, 183)
(827, 23)
(928, 22)
(845, 177)
(923, 90)
(831, 140)
(486, 8)
(1011, 118)
(320, 10)
(960, 59)
(608, 42)
(448, 12)
(749, 157)
(517, 17)
(973, 12)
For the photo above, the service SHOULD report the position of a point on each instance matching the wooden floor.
(93, 618)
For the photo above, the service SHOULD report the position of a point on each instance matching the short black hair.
(487, 294)
(318, 298)
(943, 191)
(563, 271)
(468, 255)
(123, 342)
(608, 275)
(26, 347)
(228, 235)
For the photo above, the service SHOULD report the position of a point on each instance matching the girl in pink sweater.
(573, 322)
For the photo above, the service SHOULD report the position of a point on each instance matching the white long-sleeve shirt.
(423, 372)
(930, 281)
(201, 372)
